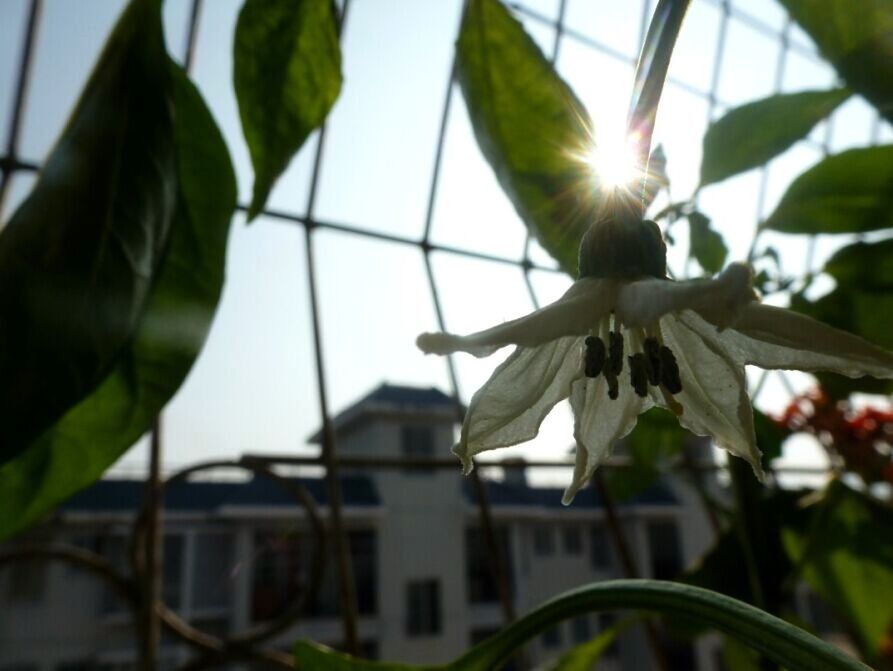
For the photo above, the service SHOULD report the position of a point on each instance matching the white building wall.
(421, 537)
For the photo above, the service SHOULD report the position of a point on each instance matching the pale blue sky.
(254, 386)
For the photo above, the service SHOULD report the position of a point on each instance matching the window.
(543, 541)
(215, 626)
(552, 637)
(363, 553)
(582, 631)
(279, 573)
(417, 441)
(212, 581)
(282, 567)
(666, 555)
(171, 589)
(423, 607)
(114, 549)
(572, 540)
(482, 587)
(600, 549)
(363, 550)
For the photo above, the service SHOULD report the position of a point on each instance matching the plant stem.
(651, 72)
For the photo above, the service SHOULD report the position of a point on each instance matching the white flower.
(684, 347)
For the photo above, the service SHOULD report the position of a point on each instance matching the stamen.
(651, 349)
(674, 405)
(594, 359)
(615, 352)
(669, 371)
(613, 387)
(638, 373)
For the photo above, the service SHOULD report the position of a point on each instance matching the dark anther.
(615, 352)
(638, 375)
(613, 387)
(595, 356)
(669, 371)
(652, 359)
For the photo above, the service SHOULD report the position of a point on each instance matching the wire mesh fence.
(141, 586)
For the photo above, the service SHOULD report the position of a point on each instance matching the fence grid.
(141, 589)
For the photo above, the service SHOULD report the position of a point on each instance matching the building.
(237, 553)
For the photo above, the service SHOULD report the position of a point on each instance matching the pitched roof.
(511, 494)
(127, 495)
(391, 399)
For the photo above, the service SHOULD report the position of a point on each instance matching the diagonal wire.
(10, 162)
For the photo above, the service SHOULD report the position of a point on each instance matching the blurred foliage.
(585, 657)
(779, 641)
(750, 135)
(706, 246)
(530, 126)
(286, 76)
(855, 38)
(76, 450)
(848, 192)
(845, 553)
(78, 256)
(653, 444)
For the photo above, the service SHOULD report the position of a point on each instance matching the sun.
(613, 163)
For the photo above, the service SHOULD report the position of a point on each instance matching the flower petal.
(512, 404)
(575, 313)
(599, 423)
(772, 337)
(642, 303)
(714, 394)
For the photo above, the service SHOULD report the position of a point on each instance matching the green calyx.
(623, 246)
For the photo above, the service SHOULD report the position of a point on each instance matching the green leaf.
(846, 556)
(738, 657)
(287, 76)
(775, 638)
(77, 259)
(312, 655)
(656, 439)
(750, 135)
(855, 36)
(850, 192)
(867, 313)
(585, 657)
(528, 123)
(96, 432)
(864, 266)
(724, 567)
(706, 245)
(770, 436)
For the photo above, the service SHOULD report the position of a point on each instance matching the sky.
(253, 389)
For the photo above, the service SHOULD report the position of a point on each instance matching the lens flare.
(613, 164)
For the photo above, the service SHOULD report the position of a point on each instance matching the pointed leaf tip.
(287, 76)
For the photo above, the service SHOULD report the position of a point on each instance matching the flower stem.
(651, 72)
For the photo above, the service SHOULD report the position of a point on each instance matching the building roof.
(394, 400)
(127, 495)
(111, 496)
(512, 494)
